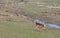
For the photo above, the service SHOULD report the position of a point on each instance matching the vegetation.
(25, 29)
(13, 25)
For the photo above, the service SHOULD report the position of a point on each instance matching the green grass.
(25, 30)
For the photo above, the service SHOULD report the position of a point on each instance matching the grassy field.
(19, 27)
(35, 8)
(38, 11)
(25, 29)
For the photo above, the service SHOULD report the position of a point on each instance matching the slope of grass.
(34, 9)
(25, 30)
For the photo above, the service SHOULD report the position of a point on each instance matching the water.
(53, 25)
(48, 24)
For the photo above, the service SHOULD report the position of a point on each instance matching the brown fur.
(41, 26)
